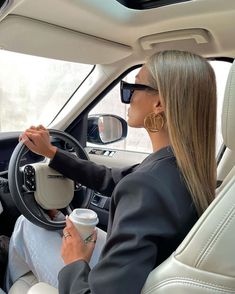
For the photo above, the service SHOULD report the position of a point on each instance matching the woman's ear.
(158, 107)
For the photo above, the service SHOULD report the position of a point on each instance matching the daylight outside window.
(34, 89)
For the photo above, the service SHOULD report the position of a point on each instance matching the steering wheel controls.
(29, 178)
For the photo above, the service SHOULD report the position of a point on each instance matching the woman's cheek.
(135, 120)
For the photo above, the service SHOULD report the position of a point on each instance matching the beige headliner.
(65, 28)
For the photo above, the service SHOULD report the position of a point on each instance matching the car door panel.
(115, 158)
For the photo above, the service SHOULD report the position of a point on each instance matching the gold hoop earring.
(154, 122)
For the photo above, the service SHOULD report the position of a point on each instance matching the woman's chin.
(133, 124)
(130, 123)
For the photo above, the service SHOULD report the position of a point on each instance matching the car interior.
(97, 44)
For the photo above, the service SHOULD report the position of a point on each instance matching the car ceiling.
(104, 32)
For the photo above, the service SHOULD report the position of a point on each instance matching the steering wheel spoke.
(29, 200)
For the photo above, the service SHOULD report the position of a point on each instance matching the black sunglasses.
(127, 90)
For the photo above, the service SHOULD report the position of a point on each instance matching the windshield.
(34, 89)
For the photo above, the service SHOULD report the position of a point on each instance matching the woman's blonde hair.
(187, 89)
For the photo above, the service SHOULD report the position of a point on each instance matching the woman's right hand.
(37, 139)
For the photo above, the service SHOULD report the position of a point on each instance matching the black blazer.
(151, 211)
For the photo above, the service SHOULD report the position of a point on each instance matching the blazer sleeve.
(140, 221)
(96, 177)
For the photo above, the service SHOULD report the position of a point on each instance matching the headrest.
(228, 112)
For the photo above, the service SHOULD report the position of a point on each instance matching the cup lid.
(84, 216)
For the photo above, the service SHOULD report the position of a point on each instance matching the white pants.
(35, 249)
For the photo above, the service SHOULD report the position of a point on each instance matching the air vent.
(148, 4)
(4, 4)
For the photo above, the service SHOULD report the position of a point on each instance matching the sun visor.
(25, 35)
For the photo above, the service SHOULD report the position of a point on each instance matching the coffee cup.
(85, 221)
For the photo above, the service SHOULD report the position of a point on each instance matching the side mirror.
(106, 128)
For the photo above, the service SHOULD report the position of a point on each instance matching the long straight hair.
(187, 89)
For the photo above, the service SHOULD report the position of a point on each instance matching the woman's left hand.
(73, 247)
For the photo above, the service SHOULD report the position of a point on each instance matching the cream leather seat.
(23, 284)
(205, 260)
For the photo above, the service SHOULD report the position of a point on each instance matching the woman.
(154, 204)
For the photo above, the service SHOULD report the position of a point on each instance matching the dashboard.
(5, 155)
(8, 142)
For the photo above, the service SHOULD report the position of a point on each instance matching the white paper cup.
(85, 220)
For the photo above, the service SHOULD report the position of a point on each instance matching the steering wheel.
(24, 198)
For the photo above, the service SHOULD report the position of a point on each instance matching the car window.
(137, 139)
(34, 89)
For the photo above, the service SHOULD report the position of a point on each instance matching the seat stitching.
(210, 247)
(216, 231)
(192, 282)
